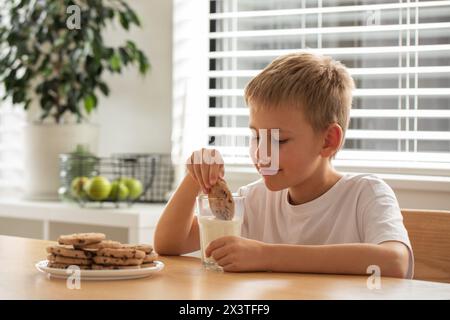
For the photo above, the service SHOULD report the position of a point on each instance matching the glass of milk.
(212, 228)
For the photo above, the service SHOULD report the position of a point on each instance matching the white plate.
(119, 274)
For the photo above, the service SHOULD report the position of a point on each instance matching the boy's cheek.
(291, 160)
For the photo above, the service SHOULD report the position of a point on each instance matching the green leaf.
(131, 45)
(103, 88)
(133, 17)
(114, 62)
(18, 96)
(45, 114)
(27, 104)
(144, 65)
(131, 14)
(124, 20)
(109, 13)
(90, 102)
(47, 71)
(124, 56)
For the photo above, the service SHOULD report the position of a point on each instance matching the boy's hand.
(205, 166)
(239, 254)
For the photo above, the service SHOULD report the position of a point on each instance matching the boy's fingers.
(213, 174)
(190, 161)
(217, 157)
(199, 178)
(220, 253)
(230, 267)
(213, 245)
(225, 260)
(191, 171)
(190, 166)
(218, 166)
(205, 169)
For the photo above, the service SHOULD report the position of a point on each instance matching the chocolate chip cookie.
(221, 201)
(79, 239)
(68, 251)
(69, 261)
(121, 253)
(100, 245)
(117, 261)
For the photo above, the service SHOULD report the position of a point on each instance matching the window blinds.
(398, 53)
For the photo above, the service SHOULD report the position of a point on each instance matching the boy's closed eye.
(280, 141)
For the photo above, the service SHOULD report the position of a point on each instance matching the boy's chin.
(273, 183)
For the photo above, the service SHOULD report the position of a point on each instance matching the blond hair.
(319, 85)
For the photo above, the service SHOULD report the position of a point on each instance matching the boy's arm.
(391, 257)
(241, 254)
(177, 230)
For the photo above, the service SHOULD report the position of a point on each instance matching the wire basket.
(121, 179)
(162, 182)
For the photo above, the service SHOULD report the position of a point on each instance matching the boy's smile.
(301, 167)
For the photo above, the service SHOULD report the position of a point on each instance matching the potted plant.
(52, 61)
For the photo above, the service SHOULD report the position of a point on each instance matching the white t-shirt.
(359, 208)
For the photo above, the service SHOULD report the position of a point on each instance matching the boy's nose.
(264, 163)
(262, 158)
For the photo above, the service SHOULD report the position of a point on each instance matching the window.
(398, 53)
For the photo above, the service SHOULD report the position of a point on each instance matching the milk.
(211, 229)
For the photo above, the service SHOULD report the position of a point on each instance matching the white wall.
(136, 117)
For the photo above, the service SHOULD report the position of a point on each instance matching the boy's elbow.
(158, 247)
(163, 248)
(398, 266)
(397, 271)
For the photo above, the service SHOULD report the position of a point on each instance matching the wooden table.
(184, 278)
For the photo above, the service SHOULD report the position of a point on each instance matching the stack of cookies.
(93, 251)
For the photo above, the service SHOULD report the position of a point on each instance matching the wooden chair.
(429, 233)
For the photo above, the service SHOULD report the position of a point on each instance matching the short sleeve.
(253, 193)
(244, 191)
(381, 218)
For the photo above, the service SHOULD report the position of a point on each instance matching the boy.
(305, 216)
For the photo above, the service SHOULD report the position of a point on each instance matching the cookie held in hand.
(221, 201)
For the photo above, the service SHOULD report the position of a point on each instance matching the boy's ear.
(332, 140)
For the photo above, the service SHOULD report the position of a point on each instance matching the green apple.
(119, 191)
(77, 187)
(98, 188)
(134, 186)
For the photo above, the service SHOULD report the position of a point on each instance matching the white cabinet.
(47, 220)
